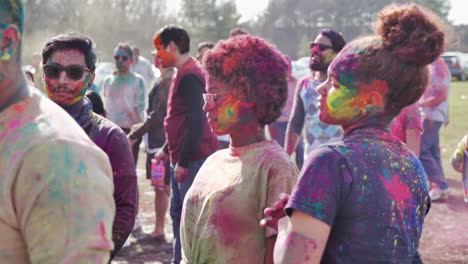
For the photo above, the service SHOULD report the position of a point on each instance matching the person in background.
(56, 202)
(69, 63)
(124, 94)
(459, 161)
(305, 112)
(237, 32)
(29, 72)
(153, 132)
(434, 107)
(96, 103)
(368, 192)
(278, 128)
(202, 48)
(189, 138)
(143, 67)
(234, 185)
(407, 126)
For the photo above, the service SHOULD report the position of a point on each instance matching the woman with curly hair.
(247, 89)
(364, 199)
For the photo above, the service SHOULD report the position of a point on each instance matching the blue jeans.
(177, 199)
(430, 153)
(278, 132)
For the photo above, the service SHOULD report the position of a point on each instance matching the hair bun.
(412, 33)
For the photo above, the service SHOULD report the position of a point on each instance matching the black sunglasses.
(74, 72)
(322, 47)
(118, 57)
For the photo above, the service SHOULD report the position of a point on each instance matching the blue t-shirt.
(373, 193)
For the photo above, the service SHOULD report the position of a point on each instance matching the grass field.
(457, 127)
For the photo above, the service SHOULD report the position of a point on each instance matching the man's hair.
(71, 41)
(237, 32)
(12, 12)
(126, 47)
(176, 34)
(205, 44)
(136, 51)
(335, 38)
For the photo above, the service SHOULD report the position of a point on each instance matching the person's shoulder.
(144, 61)
(106, 126)
(305, 80)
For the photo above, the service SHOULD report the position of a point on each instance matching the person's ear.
(9, 41)
(374, 100)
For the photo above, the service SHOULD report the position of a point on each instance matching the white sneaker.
(437, 193)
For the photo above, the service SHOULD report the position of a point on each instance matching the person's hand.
(131, 141)
(161, 156)
(180, 174)
(275, 213)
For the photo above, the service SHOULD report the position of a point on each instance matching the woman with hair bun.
(247, 89)
(364, 199)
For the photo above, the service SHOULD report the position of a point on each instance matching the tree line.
(289, 24)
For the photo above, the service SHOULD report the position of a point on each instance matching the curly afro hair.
(256, 71)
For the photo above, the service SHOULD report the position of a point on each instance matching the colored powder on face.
(342, 102)
(232, 111)
(8, 34)
(84, 85)
(328, 59)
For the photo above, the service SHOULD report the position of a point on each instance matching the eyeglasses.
(118, 57)
(74, 72)
(211, 99)
(322, 47)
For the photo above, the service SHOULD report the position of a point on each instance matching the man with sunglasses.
(322, 51)
(124, 94)
(189, 138)
(56, 201)
(69, 64)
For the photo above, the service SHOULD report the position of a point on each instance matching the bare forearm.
(293, 247)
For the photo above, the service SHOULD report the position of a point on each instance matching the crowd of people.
(223, 128)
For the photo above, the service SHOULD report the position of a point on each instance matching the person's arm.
(125, 187)
(440, 82)
(64, 204)
(303, 241)
(295, 123)
(140, 129)
(191, 90)
(458, 154)
(413, 140)
(313, 207)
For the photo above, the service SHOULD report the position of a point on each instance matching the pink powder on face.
(14, 124)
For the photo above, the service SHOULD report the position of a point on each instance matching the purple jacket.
(113, 141)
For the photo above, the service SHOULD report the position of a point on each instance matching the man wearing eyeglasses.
(189, 138)
(56, 201)
(124, 94)
(322, 51)
(69, 64)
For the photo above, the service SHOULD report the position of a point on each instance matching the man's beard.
(318, 66)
